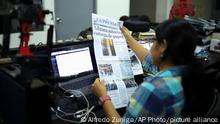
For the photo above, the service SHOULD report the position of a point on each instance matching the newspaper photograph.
(113, 59)
(135, 63)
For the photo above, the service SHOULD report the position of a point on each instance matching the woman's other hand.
(126, 33)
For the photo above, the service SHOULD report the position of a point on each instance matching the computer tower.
(23, 103)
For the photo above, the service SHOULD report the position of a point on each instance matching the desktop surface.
(212, 60)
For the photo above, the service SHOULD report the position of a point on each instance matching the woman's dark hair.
(181, 43)
(181, 40)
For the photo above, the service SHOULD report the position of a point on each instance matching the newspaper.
(135, 63)
(113, 60)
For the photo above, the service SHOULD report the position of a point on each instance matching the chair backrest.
(214, 110)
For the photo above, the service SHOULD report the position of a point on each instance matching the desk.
(212, 61)
(98, 110)
(71, 105)
(212, 68)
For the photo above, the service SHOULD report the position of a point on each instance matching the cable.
(74, 92)
(82, 114)
(37, 46)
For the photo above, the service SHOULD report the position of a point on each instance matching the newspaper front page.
(113, 60)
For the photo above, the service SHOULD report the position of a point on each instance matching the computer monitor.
(73, 60)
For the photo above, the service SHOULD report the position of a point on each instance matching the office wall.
(38, 36)
(143, 7)
(207, 9)
(157, 10)
(113, 8)
(163, 9)
(203, 8)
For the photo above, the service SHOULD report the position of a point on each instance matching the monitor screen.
(71, 62)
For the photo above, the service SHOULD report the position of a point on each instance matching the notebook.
(77, 62)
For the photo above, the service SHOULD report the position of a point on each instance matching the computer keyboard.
(78, 83)
(82, 84)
